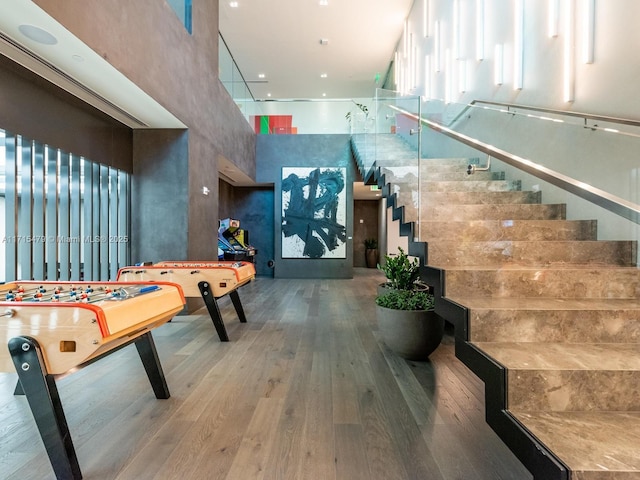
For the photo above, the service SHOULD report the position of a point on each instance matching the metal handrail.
(585, 116)
(617, 205)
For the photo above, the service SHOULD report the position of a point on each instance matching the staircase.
(544, 313)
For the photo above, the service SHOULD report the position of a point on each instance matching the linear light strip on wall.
(589, 30)
(499, 64)
(554, 10)
(425, 18)
(480, 30)
(436, 49)
(427, 76)
(456, 29)
(569, 52)
(518, 47)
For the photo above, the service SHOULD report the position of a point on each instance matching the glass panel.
(590, 154)
(183, 10)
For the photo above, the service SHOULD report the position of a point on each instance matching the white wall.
(607, 86)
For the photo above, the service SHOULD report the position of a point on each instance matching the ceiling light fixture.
(37, 34)
(324, 3)
(323, 75)
(233, 4)
(261, 75)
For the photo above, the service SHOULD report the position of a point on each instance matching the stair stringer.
(540, 461)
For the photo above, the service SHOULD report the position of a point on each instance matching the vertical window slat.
(11, 207)
(104, 222)
(75, 216)
(25, 199)
(52, 214)
(63, 217)
(38, 233)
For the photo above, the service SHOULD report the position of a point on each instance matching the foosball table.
(209, 280)
(53, 328)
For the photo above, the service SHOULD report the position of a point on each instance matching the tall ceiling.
(281, 39)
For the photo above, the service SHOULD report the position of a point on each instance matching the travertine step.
(455, 174)
(458, 212)
(569, 376)
(594, 445)
(588, 320)
(484, 230)
(474, 197)
(466, 186)
(499, 253)
(557, 282)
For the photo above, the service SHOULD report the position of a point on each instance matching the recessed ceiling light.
(268, 94)
(233, 4)
(261, 75)
(324, 94)
(323, 75)
(37, 34)
(324, 3)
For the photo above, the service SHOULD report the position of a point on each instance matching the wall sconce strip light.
(480, 30)
(456, 29)
(518, 41)
(425, 18)
(554, 9)
(569, 52)
(589, 30)
(427, 76)
(499, 64)
(436, 49)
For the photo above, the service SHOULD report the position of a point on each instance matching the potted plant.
(401, 273)
(407, 321)
(371, 252)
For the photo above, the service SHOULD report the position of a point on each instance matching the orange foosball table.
(210, 280)
(53, 328)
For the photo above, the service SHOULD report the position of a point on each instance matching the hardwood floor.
(304, 390)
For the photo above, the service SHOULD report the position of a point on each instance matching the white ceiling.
(281, 39)
(277, 38)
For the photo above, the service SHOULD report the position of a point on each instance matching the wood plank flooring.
(304, 390)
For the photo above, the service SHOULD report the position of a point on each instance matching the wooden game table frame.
(206, 276)
(37, 372)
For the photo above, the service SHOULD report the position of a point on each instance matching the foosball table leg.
(235, 298)
(214, 310)
(42, 395)
(149, 356)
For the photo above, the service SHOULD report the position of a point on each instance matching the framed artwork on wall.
(314, 212)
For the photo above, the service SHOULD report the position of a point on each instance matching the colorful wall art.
(313, 212)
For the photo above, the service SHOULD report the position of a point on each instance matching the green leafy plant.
(362, 107)
(406, 300)
(370, 244)
(401, 272)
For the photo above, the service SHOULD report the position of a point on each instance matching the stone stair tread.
(516, 267)
(594, 445)
(564, 356)
(541, 303)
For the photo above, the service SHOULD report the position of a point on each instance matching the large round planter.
(412, 334)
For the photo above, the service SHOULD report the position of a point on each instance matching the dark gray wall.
(253, 207)
(158, 192)
(39, 110)
(146, 42)
(273, 152)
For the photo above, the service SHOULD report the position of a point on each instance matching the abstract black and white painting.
(313, 212)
